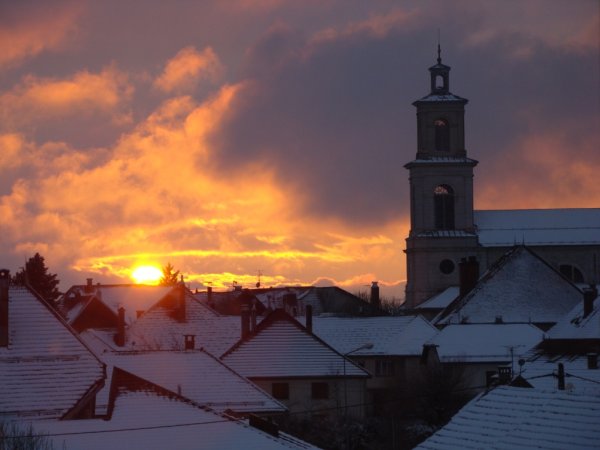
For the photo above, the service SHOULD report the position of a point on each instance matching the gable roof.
(520, 288)
(46, 370)
(485, 342)
(149, 417)
(508, 418)
(132, 297)
(396, 335)
(575, 326)
(159, 329)
(576, 226)
(195, 375)
(281, 347)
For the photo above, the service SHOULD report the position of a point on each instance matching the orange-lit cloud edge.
(149, 204)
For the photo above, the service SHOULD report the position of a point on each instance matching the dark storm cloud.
(334, 116)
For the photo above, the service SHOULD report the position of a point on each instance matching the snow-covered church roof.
(504, 228)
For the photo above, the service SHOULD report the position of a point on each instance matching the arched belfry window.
(442, 135)
(443, 199)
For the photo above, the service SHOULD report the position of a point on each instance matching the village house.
(46, 370)
(298, 368)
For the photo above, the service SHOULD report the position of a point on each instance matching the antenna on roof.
(258, 282)
(439, 58)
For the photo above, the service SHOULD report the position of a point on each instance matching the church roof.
(577, 226)
(519, 288)
(449, 97)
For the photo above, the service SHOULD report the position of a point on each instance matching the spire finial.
(439, 58)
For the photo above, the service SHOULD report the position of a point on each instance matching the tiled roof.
(441, 300)
(485, 343)
(401, 335)
(152, 421)
(519, 288)
(132, 297)
(575, 326)
(538, 227)
(46, 369)
(541, 369)
(281, 347)
(197, 376)
(158, 329)
(509, 418)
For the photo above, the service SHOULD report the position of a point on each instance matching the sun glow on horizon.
(146, 275)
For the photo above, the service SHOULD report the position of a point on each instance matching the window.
(281, 391)
(442, 135)
(571, 272)
(443, 198)
(384, 368)
(320, 391)
(190, 341)
(447, 267)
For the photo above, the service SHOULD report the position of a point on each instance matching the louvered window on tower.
(443, 197)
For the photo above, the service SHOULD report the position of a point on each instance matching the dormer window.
(189, 341)
(442, 135)
(443, 200)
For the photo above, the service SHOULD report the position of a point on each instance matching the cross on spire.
(439, 58)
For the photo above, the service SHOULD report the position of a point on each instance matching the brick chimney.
(309, 318)
(4, 283)
(180, 301)
(468, 274)
(245, 315)
(375, 301)
(120, 336)
(89, 286)
(253, 316)
(209, 297)
(589, 295)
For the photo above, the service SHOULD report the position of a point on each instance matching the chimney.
(309, 317)
(375, 302)
(180, 293)
(592, 361)
(253, 316)
(245, 321)
(4, 282)
(589, 295)
(120, 336)
(468, 274)
(209, 296)
(561, 377)
(89, 287)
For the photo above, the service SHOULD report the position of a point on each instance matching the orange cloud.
(35, 32)
(187, 68)
(84, 93)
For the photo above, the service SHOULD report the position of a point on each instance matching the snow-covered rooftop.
(158, 329)
(403, 335)
(197, 376)
(575, 326)
(509, 418)
(151, 421)
(519, 288)
(577, 226)
(46, 369)
(485, 342)
(281, 347)
(441, 300)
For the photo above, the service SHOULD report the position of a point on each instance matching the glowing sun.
(146, 275)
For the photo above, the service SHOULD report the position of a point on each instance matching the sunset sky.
(229, 137)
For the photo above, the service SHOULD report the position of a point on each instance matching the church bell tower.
(441, 192)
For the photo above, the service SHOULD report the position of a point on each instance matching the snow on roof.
(575, 326)
(432, 160)
(577, 226)
(540, 370)
(132, 297)
(402, 335)
(46, 369)
(281, 347)
(508, 418)
(446, 233)
(198, 376)
(441, 300)
(485, 342)
(449, 97)
(151, 421)
(157, 329)
(519, 288)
